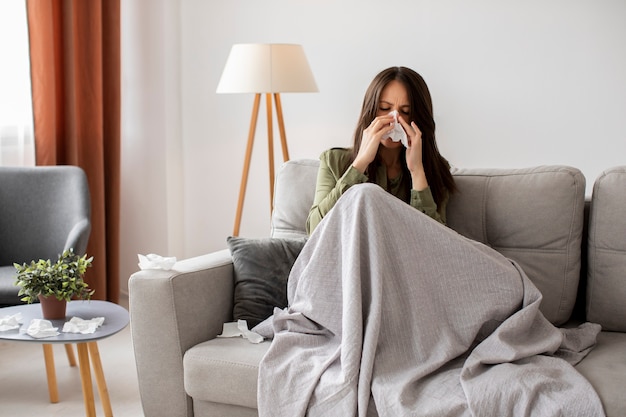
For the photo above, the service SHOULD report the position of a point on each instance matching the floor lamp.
(268, 69)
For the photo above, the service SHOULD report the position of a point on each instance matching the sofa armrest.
(171, 311)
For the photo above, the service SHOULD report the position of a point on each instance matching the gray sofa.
(573, 250)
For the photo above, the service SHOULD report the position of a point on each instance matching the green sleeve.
(336, 174)
(424, 202)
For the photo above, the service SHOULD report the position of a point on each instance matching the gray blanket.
(391, 313)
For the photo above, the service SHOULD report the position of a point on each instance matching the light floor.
(24, 388)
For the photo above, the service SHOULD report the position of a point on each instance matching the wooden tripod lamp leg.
(246, 164)
(270, 146)
(281, 127)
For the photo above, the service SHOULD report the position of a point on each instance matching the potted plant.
(54, 283)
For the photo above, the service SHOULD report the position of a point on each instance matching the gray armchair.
(43, 211)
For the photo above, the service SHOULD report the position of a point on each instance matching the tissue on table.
(240, 328)
(39, 328)
(11, 322)
(153, 261)
(78, 325)
(398, 134)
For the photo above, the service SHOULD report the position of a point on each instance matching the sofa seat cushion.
(605, 368)
(224, 370)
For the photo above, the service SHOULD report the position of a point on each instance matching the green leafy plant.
(62, 279)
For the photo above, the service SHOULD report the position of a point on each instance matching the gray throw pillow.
(262, 268)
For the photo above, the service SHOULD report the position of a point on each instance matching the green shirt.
(336, 174)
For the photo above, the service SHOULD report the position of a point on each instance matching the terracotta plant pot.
(52, 308)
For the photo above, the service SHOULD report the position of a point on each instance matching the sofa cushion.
(224, 370)
(261, 268)
(605, 368)
(533, 216)
(606, 270)
(293, 197)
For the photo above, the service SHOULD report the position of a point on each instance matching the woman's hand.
(414, 155)
(379, 129)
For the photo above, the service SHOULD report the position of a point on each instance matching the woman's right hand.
(379, 129)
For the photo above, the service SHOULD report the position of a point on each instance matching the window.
(16, 119)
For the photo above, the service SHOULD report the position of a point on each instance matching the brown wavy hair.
(436, 167)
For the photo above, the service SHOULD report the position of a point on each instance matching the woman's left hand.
(414, 160)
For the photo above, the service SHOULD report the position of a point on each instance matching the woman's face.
(394, 97)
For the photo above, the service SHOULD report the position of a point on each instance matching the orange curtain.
(75, 73)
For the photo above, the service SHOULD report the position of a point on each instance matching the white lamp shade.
(266, 68)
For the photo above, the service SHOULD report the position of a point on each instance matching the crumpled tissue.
(82, 326)
(398, 134)
(240, 328)
(39, 328)
(11, 322)
(152, 261)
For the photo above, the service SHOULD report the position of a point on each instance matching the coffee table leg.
(98, 372)
(53, 390)
(85, 379)
(70, 354)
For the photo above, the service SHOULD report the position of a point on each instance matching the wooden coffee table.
(115, 319)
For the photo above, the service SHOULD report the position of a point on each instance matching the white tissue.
(398, 134)
(240, 329)
(152, 261)
(39, 328)
(10, 322)
(78, 325)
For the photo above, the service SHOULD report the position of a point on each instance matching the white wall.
(514, 84)
(151, 217)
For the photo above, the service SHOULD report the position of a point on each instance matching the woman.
(390, 317)
(418, 174)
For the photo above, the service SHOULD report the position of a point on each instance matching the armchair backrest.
(43, 211)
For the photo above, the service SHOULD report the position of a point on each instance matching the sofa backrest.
(606, 246)
(533, 216)
(294, 190)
